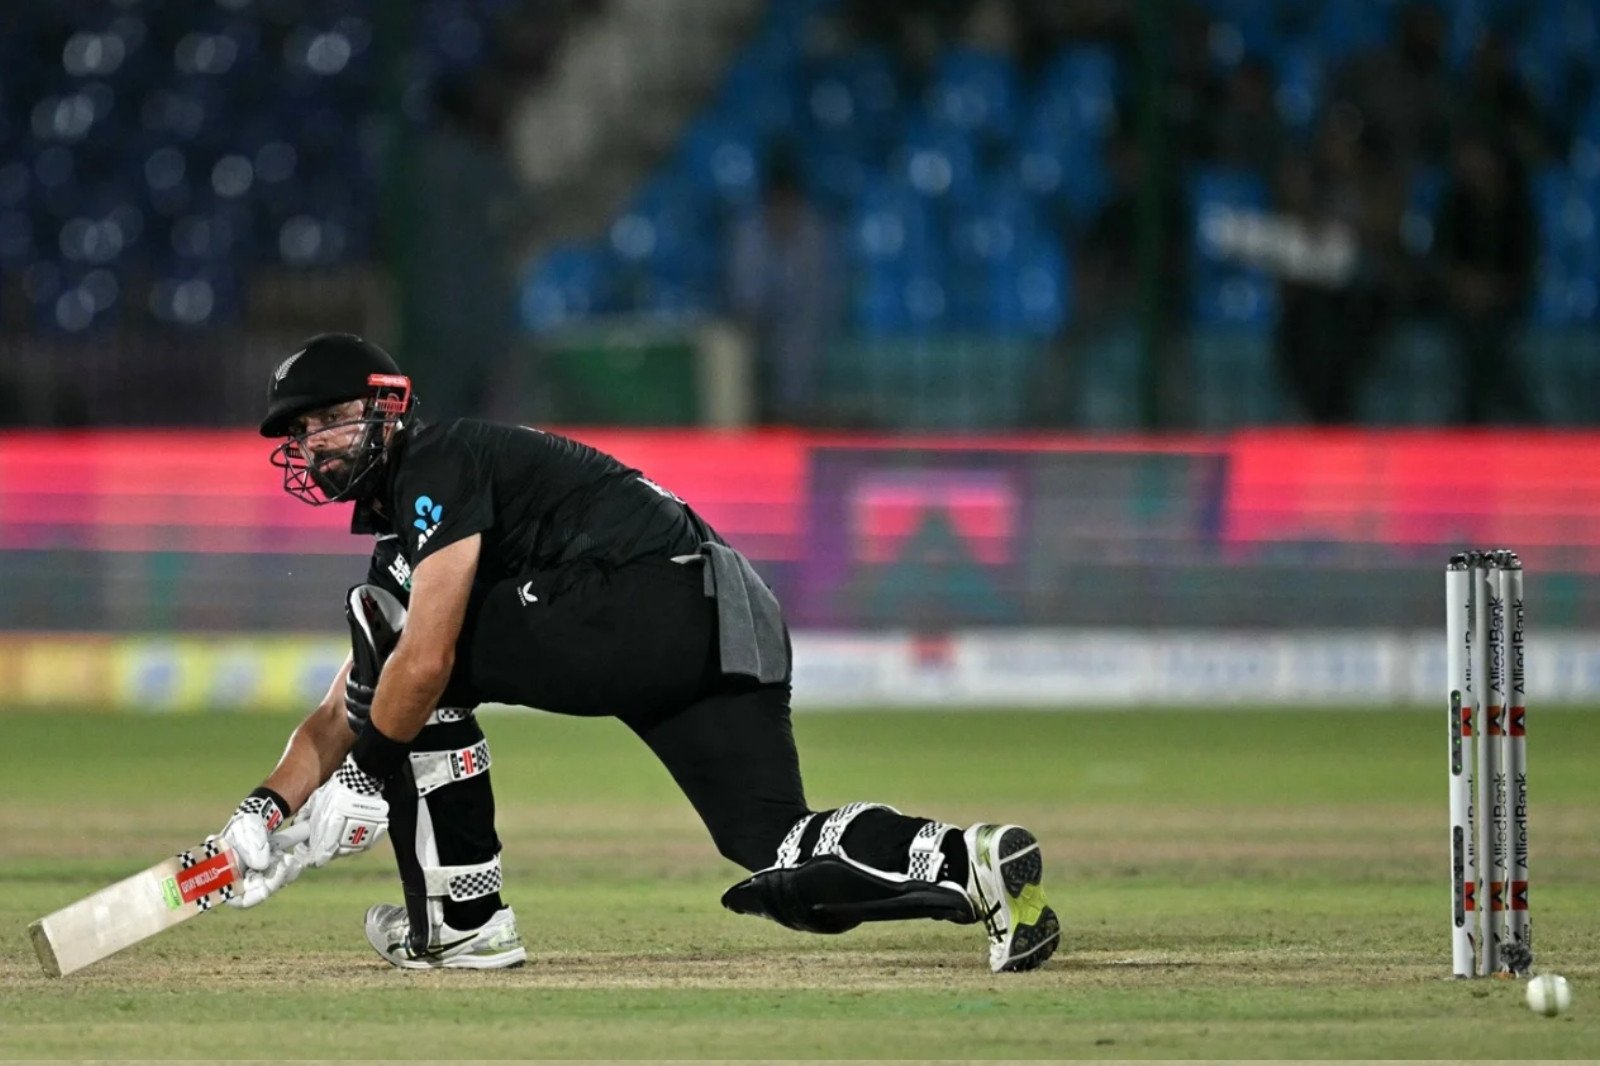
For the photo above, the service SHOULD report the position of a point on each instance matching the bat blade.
(134, 909)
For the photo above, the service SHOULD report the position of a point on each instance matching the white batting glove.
(287, 862)
(253, 820)
(346, 815)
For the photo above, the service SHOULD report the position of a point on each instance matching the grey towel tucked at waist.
(752, 638)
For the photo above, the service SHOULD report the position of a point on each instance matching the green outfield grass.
(1233, 884)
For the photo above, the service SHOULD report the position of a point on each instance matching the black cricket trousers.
(639, 642)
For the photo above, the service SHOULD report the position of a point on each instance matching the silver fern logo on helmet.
(285, 366)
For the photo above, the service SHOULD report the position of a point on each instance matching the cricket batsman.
(517, 566)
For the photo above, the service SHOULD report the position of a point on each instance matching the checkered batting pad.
(476, 884)
(927, 853)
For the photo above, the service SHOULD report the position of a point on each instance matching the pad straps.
(837, 822)
(462, 883)
(927, 856)
(789, 850)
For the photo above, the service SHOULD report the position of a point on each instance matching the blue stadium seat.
(567, 284)
(999, 218)
(1064, 169)
(1344, 28)
(976, 93)
(1079, 90)
(1568, 272)
(1030, 292)
(1241, 28)
(1559, 39)
(911, 299)
(856, 99)
(834, 177)
(877, 304)
(761, 85)
(722, 161)
(197, 297)
(1300, 82)
(893, 227)
(68, 298)
(937, 163)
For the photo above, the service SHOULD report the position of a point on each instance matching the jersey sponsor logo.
(287, 365)
(427, 520)
(400, 570)
(526, 594)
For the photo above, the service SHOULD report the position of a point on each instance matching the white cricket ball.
(1549, 995)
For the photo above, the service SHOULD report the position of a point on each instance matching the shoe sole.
(1022, 867)
(506, 960)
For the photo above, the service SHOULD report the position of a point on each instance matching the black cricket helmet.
(335, 368)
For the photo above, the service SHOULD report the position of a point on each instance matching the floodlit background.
(1039, 351)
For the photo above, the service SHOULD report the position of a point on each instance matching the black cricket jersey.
(539, 499)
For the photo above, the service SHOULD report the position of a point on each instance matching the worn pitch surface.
(1233, 884)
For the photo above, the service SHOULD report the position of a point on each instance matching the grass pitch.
(1232, 884)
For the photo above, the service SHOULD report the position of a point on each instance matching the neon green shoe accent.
(1027, 905)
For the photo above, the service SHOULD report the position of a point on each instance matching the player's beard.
(348, 474)
(342, 476)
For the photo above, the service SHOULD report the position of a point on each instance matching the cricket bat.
(138, 907)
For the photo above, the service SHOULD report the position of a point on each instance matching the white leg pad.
(436, 769)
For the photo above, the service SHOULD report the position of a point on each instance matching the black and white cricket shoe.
(1004, 874)
(495, 945)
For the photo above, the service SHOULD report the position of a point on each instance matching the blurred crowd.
(1382, 159)
(1054, 213)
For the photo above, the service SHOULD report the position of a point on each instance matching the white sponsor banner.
(1046, 668)
(1070, 667)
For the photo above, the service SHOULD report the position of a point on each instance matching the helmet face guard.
(305, 475)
